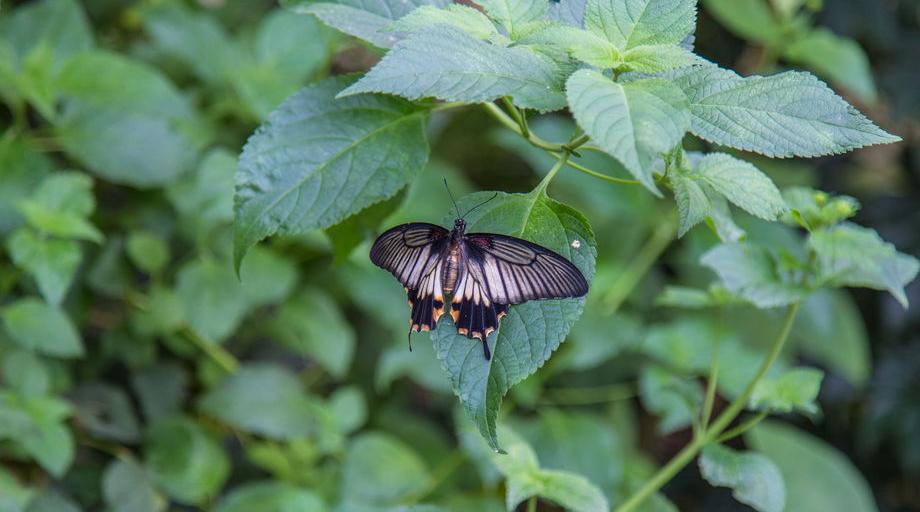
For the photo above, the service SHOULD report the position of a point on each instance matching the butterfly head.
(459, 226)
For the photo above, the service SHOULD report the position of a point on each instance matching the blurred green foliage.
(147, 365)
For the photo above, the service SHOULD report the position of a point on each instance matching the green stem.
(510, 123)
(713, 379)
(563, 158)
(602, 176)
(217, 353)
(577, 143)
(742, 428)
(690, 451)
(639, 265)
(588, 395)
(532, 504)
(517, 116)
(448, 105)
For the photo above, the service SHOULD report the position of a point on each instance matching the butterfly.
(483, 273)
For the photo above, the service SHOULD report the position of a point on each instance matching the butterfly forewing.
(515, 270)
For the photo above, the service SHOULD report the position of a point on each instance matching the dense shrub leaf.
(817, 476)
(447, 63)
(271, 497)
(51, 262)
(124, 121)
(381, 470)
(364, 19)
(185, 461)
(22, 168)
(313, 325)
(789, 114)
(635, 122)
(39, 326)
(106, 412)
(127, 487)
(318, 160)
(753, 478)
(532, 331)
(750, 271)
(60, 207)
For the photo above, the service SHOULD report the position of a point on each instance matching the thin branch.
(742, 428)
(602, 176)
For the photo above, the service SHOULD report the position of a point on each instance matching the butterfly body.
(482, 273)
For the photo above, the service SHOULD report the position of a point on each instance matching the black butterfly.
(484, 273)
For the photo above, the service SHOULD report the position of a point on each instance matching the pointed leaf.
(796, 389)
(51, 262)
(742, 184)
(630, 23)
(39, 326)
(753, 478)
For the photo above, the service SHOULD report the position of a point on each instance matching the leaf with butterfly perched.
(318, 160)
(531, 331)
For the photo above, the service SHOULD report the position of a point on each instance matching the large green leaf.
(635, 122)
(127, 487)
(22, 167)
(271, 497)
(39, 326)
(470, 20)
(240, 401)
(850, 255)
(365, 19)
(381, 470)
(630, 23)
(789, 114)
(817, 476)
(185, 461)
(741, 183)
(318, 160)
(753, 478)
(312, 324)
(52, 263)
(124, 121)
(532, 331)
(447, 63)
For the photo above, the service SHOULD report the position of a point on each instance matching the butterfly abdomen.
(451, 268)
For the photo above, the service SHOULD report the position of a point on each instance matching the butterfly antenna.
(480, 204)
(456, 208)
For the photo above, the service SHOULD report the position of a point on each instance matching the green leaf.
(789, 114)
(60, 206)
(51, 501)
(448, 64)
(34, 425)
(813, 209)
(25, 372)
(750, 272)
(147, 251)
(580, 44)
(464, 17)
(14, 497)
(52, 445)
(161, 390)
(693, 205)
(830, 331)
(51, 262)
(530, 332)
(817, 476)
(742, 184)
(205, 197)
(22, 168)
(381, 470)
(722, 222)
(655, 58)
(192, 37)
(211, 297)
(850, 255)
(349, 408)
(796, 389)
(630, 23)
(749, 19)
(39, 326)
(60, 24)
(294, 178)
(239, 400)
(266, 278)
(670, 397)
(106, 412)
(271, 497)
(312, 324)
(185, 461)
(525, 479)
(127, 488)
(124, 121)
(635, 122)
(753, 478)
(513, 15)
(163, 313)
(364, 19)
(838, 59)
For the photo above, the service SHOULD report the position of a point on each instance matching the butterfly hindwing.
(515, 270)
(426, 301)
(474, 312)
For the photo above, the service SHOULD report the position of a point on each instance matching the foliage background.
(121, 132)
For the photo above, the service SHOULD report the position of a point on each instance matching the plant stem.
(742, 428)
(563, 158)
(448, 105)
(602, 176)
(639, 265)
(510, 123)
(713, 379)
(690, 451)
(217, 353)
(517, 116)
(532, 504)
